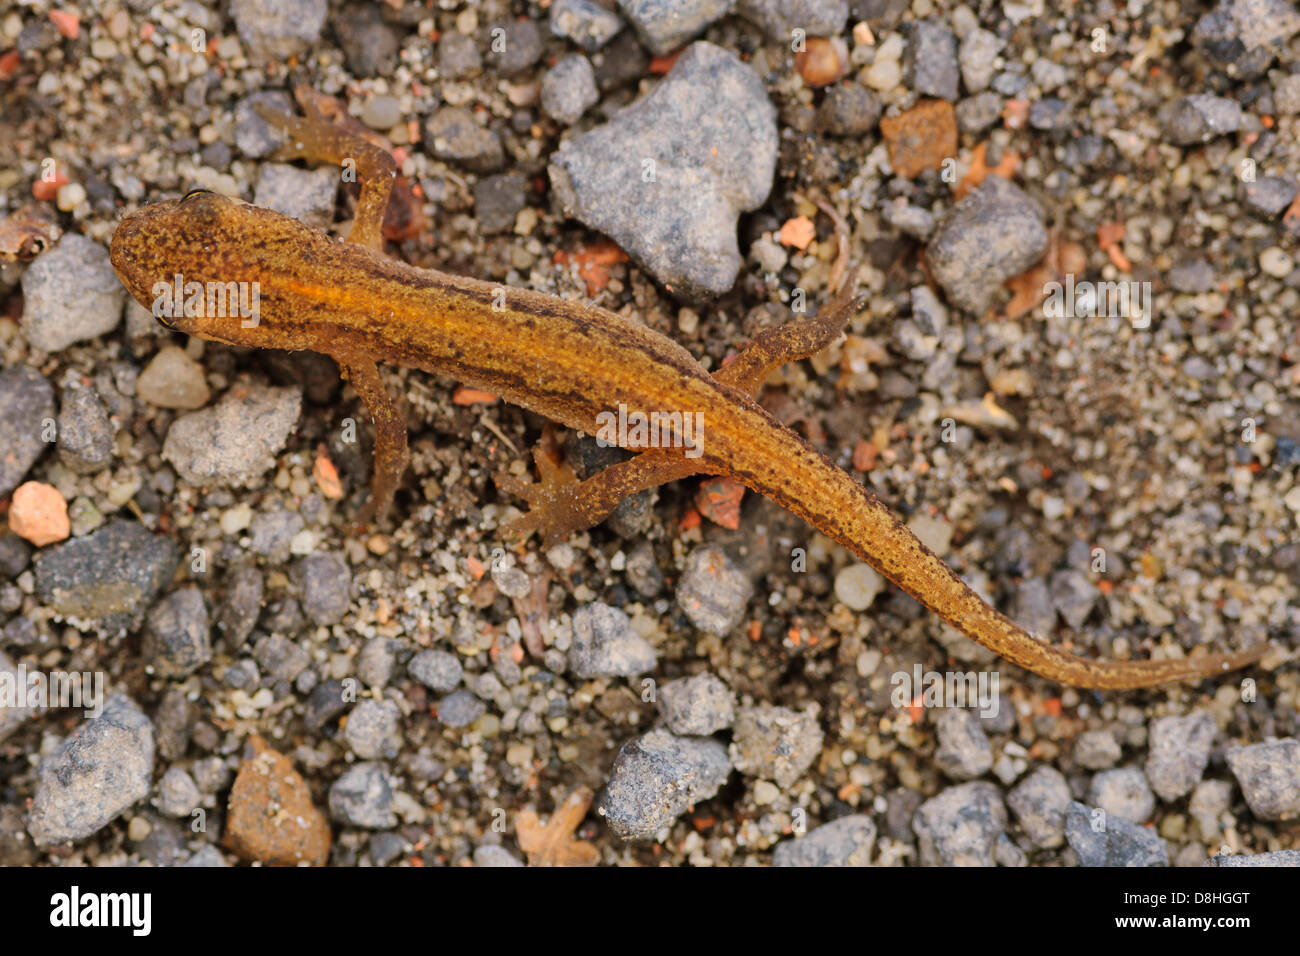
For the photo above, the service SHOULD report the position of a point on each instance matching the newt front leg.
(316, 139)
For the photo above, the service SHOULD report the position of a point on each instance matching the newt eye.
(194, 192)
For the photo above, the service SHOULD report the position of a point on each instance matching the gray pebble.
(382, 112)
(977, 113)
(377, 660)
(1269, 196)
(460, 709)
(242, 675)
(1048, 75)
(242, 605)
(173, 722)
(604, 644)
(458, 56)
(1286, 94)
(1123, 793)
(455, 136)
(278, 29)
(178, 795)
(780, 18)
(272, 533)
(1269, 777)
(963, 752)
(1116, 842)
(372, 729)
(280, 657)
(324, 586)
(1033, 607)
(439, 671)
(109, 577)
(385, 847)
(93, 775)
(236, 440)
(978, 51)
(85, 435)
(369, 44)
(1275, 858)
(304, 194)
(517, 47)
(655, 778)
(697, 706)
(569, 89)
(668, 176)
(712, 591)
(177, 641)
(1039, 803)
(324, 704)
(363, 797)
(208, 856)
(1192, 276)
(1209, 801)
(914, 221)
(930, 60)
(70, 294)
(11, 715)
(586, 23)
(843, 842)
(498, 200)
(775, 743)
(665, 25)
(26, 412)
(1200, 118)
(993, 234)
(1244, 36)
(1178, 752)
(849, 110)
(1051, 113)
(1073, 595)
(254, 136)
(492, 855)
(960, 826)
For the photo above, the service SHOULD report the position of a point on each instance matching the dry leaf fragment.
(27, 233)
(554, 844)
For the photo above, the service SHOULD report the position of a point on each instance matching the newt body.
(567, 361)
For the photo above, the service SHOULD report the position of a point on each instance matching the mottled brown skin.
(567, 361)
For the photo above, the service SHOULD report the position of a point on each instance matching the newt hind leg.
(561, 504)
(391, 455)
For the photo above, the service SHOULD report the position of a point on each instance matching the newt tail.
(873, 533)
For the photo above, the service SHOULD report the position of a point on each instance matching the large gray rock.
(656, 778)
(108, 578)
(667, 177)
(98, 771)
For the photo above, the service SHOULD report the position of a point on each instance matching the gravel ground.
(695, 681)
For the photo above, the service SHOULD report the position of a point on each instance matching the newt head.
(202, 265)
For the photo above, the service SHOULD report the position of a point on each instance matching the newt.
(570, 362)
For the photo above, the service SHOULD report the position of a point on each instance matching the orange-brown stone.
(270, 818)
(922, 138)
